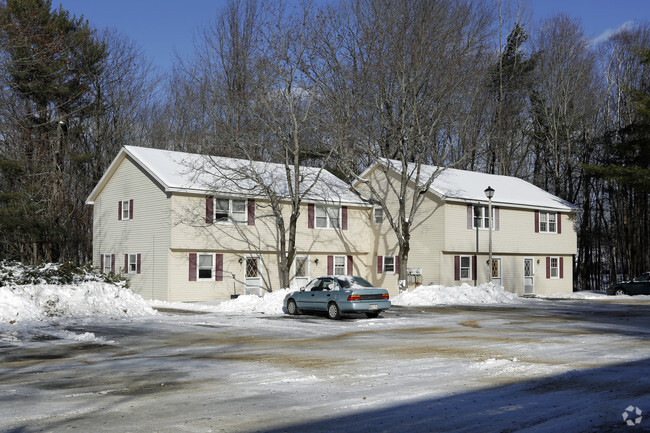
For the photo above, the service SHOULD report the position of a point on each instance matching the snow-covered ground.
(95, 357)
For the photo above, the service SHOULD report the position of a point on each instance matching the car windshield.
(643, 277)
(347, 282)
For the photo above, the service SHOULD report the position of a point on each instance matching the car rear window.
(347, 282)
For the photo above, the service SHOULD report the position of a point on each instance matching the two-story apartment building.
(533, 236)
(187, 227)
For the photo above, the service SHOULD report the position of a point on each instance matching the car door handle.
(313, 294)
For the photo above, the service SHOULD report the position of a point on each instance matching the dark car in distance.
(638, 286)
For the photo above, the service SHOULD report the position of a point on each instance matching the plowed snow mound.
(464, 294)
(43, 301)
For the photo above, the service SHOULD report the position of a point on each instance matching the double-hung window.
(327, 217)
(481, 219)
(389, 264)
(554, 269)
(132, 265)
(226, 210)
(547, 222)
(205, 266)
(340, 265)
(378, 216)
(465, 267)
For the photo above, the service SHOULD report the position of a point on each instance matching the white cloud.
(609, 32)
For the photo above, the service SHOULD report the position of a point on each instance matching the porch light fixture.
(240, 260)
(489, 193)
(316, 261)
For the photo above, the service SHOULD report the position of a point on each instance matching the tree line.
(470, 84)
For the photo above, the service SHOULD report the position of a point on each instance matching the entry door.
(496, 271)
(253, 279)
(529, 274)
(302, 271)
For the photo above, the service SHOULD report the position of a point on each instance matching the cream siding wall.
(191, 234)
(148, 233)
(515, 240)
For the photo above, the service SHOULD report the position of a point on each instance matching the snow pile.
(44, 301)
(270, 303)
(488, 293)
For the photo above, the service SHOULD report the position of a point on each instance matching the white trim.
(469, 268)
(557, 267)
(345, 264)
(135, 264)
(383, 265)
(374, 215)
(329, 224)
(212, 267)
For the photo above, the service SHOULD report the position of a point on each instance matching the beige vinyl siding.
(191, 234)
(516, 234)
(148, 233)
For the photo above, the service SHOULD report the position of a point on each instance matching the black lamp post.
(489, 193)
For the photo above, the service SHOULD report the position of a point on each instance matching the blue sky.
(160, 27)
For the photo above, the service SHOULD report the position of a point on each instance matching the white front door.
(253, 277)
(529, 273)
(301, 266)
(496, 271)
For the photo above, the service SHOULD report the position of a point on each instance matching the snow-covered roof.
(195, 173)
(452, 184)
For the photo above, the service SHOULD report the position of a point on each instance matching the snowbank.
(44, 301)
(272, 303)
(464, 294)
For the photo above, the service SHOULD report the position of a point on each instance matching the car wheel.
(372, 315)
(619, 292)
(292, 307)
(333, 311)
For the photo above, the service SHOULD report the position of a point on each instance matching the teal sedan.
(337, 295)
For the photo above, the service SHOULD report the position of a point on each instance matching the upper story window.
(125, 210)
(378, 216)
(328, 217)
(230, 210)
(547, 222)
(481, 219)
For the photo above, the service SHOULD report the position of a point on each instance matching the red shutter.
(344, 218)
(470, 216)
(209, 209)
(548, 267)
(218, 275)
(457, 268)
(350, 265)
(251, 212)
(139, 262)
(192, 266)
(561, 267)
(330, 265)
(131, 209)
(496, 220)
(119, 210)
(536, 221)
(310, 216)
(380, 264)
(396, 264)
(126, 263)
(474, 268)
(113, 263)
(559, 223)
